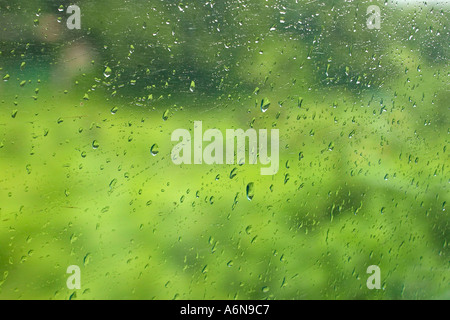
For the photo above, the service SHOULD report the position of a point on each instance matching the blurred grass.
(312, 237)
(370, 186)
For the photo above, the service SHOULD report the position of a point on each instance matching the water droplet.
(250, 191)
(107, 72)
(351, 134)
(265, 104)
(154, 150)
(331, 146)
(233, 173)
(166, 115)
(87, 259)
(95, 144)
(286, 178)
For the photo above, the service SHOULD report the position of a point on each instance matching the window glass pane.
(224, 149)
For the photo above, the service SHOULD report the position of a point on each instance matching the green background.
(364, 126)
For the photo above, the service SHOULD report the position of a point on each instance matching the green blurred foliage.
(363, 177)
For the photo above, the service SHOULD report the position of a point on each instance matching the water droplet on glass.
(265, 104)
(107, 72)
(250, 191)
(154, 150)
(233, 173)
(166, 115)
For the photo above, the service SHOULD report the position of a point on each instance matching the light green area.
(363, 174)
